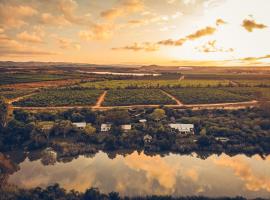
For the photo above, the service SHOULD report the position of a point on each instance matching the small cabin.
(105, 127)
(185, 129)
(79, 125)
(142, 120)
(126, 127)
(147, 139)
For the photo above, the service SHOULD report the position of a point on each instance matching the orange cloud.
(253, 182)
(165, 174)
(98, 32)
(201, 33)
(139, 47)
(249, 25)
(255, 58)
(220, 22)
(212, 47)
(171, 42)
(124, 8)
(13, 48)
(27, 37)
(14, 16)
(49, 19)
(65, 43)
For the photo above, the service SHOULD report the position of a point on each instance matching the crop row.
(61, 97)
(133, 84)
(125, 97)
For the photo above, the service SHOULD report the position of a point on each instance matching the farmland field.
(28, 78)
(206, 95)
(250, 92)
(126, 84)
(123, 97)
(11, 94)
(61, 97)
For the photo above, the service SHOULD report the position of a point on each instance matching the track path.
(100, 100)
(179, 103)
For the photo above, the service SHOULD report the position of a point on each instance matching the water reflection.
(139, 174)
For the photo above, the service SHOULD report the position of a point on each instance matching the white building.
(105, 127)
(183, 128)
(126, 127)
(80, 125)
(142, 120)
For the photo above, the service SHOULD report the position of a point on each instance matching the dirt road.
(100, 100)
(179, 103)
(10, 101)
(225, 106)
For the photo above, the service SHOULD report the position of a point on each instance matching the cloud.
(12, 48)
(98, 32)
(139, 47)
(12, 16)
(169, 42)
(249, 25)
(198, 34)
(202, 32)
(125, 7)
(220, 22)
(211, 46)
(27, 37)
(165, 174)
(65, 43)
(255, 58)
(253, 182)
(49, 19)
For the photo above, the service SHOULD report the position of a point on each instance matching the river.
(140, 174)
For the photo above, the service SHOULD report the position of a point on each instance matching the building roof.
(182, 127)
(79, 124)
(142, 120)
(147, 137)
(107, 125)
(126, 126)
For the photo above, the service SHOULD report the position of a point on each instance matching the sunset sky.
(137, 32)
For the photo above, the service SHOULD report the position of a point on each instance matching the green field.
(206, 95)
(28, 78)
(254, 93)
(11, 94)
(124, 97)
(132, 84)
(61, 97)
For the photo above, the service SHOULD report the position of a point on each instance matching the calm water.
(120, 73)
(139, 174)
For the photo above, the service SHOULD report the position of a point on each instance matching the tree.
(203, 141)
(89, 130)
(117, 117)
(3, 112)
(265, 107)
(62, 128)
(21, 115)
(158, 114)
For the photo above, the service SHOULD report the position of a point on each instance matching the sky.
(137, 32)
